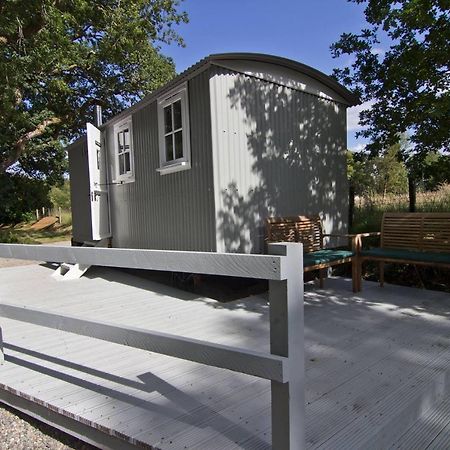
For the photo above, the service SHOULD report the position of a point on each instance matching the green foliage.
(390, 172)
(60, 195)
(59, 58)
(9, 237)
(20, 196)
(377, 175)
(408, 83)
(359, 173)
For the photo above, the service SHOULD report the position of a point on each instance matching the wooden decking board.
(208, 411)
(183, 404)
(349, 339)
(161, 392)
(233, 422)
(395, 409)
(53, 391)
(425, 431)
(333, 415)
(372, 369)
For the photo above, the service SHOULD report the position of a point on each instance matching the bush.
(20, 196)
(60, 195)
(7, 237)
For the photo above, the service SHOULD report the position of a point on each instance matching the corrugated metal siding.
(277, 151)
(79, 192)
(174, 211)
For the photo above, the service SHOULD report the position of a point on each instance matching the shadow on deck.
(377, 365)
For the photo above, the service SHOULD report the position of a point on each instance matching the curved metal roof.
(206, 62)
(326, 80)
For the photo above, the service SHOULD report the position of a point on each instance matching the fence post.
(287, 339)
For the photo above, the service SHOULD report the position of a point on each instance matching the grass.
(26, 233)
(369, 210)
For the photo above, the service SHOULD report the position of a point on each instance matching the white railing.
(284, 365)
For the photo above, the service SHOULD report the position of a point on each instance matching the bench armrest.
(372, 233)
(354, 238)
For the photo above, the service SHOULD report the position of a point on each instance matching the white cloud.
(358, 148)
(378, 51)
(353, 115)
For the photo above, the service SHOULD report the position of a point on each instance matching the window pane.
(121, 164)
(121, 143)
(126, 134)
(127, 162)
(178, 144)
(177, 115)
(169, 148)
(168, 119)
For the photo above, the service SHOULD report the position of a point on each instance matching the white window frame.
(180, 93)
(129, 176)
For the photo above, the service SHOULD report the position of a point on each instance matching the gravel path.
(21, 432)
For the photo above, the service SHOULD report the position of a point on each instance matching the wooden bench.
(409, 238)
(309, 231)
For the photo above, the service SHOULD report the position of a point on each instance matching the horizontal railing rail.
(284, 365)
(258, 364)
(268, 267)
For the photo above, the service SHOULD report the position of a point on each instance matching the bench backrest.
(305, 229)
(416, 231)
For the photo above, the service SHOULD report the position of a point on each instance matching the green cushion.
(410, 255)
(325, 256)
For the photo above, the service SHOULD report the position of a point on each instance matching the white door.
(98, 184)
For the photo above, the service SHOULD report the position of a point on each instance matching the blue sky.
(297, 29)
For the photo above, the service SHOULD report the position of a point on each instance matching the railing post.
(2, 352)
(287, 339)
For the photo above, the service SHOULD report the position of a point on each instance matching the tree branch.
(21, 143)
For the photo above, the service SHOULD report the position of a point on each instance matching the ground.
(20, 432)
(44, 231)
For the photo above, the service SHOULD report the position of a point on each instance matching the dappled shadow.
(282, 152)
(363, 351)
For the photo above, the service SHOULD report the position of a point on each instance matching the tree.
(391, 175)
(408, 84)
(60, 195)
(20, 196)
(59, 58)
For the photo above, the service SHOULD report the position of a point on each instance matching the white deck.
(378, 365)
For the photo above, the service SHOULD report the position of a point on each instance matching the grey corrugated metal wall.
(174, 211)
(79, 191)
(277, 151)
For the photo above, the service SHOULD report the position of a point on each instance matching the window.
(173, 126)
(124, 151)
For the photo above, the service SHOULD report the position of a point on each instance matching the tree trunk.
(351, 205)
(412, 193)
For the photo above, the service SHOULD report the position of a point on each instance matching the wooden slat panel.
(416, 231)
(307, 230)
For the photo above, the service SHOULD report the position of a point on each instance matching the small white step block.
(70, 271)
